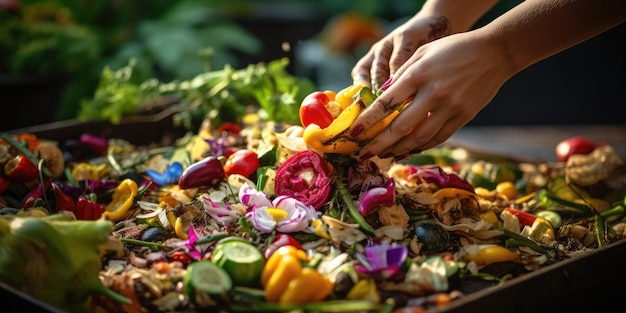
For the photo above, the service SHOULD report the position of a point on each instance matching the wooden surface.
(535, 142)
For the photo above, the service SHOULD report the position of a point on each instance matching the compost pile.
(260, 216)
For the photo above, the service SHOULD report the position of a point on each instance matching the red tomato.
(574, 145)
(313, 110)
(243, 162)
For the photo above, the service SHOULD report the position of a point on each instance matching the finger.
(361, 71)
(382, 106)
(448, 129)
(380, 65)
(410, 144)
(403, 50)
(396, 130)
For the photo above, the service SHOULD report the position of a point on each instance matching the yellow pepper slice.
(274, 261)
(489, 254)
(345, 97)
(310, 286)
(376, 128)
(285, 280)
(288, 269)
(449, 193)
(325, 139)
(334, 139)
(123, 199)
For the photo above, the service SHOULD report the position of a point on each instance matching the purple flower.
(382, 261)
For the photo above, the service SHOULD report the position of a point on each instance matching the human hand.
(450, 80)
(387, 55)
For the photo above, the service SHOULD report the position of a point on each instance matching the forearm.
(461, 14)
(537, 29)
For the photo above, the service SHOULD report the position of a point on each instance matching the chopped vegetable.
(305, 176)
(20, 169)
(489, 254)
(206, 172)
(205, 278)
(240, 259)
(243, 162)
(122, 200)
(55, 259)
(376, 197)
(286, 281)
(313, 110)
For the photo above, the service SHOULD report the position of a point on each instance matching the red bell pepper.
(88, 210)
(313, 110)
(20, 169)
(305, 176)
(62, 202)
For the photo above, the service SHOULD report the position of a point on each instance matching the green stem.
(598, 226)
(518, 240)
(353, 211)
(152, 245)
(212, 238)
(617, 210)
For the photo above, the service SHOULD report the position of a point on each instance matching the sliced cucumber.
(240, 259)
(206, 277)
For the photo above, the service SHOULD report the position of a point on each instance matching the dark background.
(582, 85)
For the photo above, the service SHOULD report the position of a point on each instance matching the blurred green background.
(52, 52)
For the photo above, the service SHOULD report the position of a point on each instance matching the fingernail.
(366, 156)
(357, 130)
(387, 83)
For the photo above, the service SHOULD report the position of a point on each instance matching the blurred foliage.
(43, 39)
(217, 95)
(170, 40)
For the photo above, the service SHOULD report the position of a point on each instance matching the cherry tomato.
(313, 110)
(574, 145)
(243, 162)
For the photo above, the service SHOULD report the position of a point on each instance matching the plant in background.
(189, 38)
(42, 39)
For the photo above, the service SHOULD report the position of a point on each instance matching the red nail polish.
(387, 83)
(366, 156)
(357, 130)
